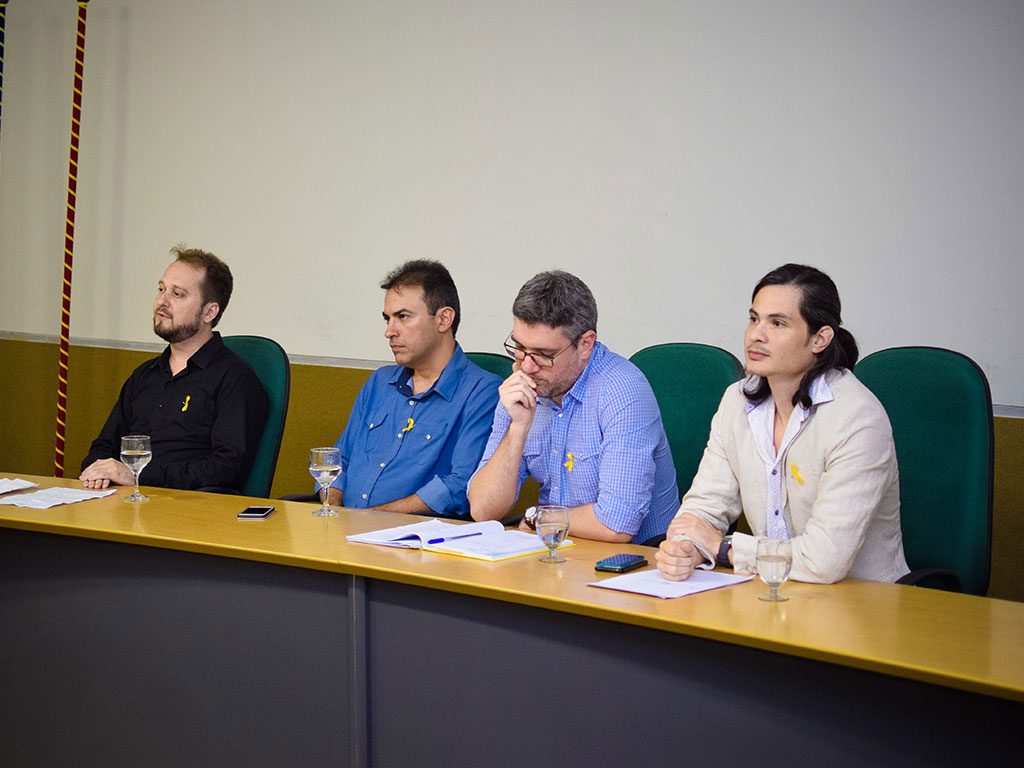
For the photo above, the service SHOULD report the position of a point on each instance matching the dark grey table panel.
(463, 681)
(118, 655)
(121, 655)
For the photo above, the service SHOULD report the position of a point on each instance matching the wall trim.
(156, 348)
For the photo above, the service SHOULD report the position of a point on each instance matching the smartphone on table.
(621, 563)
(255, 513)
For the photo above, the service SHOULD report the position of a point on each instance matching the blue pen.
(452, 538)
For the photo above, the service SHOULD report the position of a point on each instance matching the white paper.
(7, 485)
(52, 497)
(651, 582)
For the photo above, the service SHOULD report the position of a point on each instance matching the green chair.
(688, 381)
(270, 362)
(495, 363)
(940, 408)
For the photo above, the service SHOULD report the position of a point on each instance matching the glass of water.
(774, 560)
(135, 454)
(552, 527)
(325, 466)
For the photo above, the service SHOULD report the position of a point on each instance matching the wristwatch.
(724, 548)
(530, 518)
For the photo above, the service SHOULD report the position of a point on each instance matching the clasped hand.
(678, 559)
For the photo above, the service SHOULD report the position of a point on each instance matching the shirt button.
(775, 471)
(371, 425)
(428, 437)
(776, 512)
(364, 496)
(382, 465)
(561, 415)
(399, 435)
(412, 402)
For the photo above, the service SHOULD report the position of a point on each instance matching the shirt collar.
(446, 384)
(594, 363)
(201, 358)
(819, 392)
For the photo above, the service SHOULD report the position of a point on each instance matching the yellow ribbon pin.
(184, 405)
(409, 425)
(568, 464)
(796, 474)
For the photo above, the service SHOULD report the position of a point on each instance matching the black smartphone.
(255, 513)
(621, 563)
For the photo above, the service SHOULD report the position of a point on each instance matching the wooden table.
(171, 633)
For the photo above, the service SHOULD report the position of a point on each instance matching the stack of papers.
(7, 485)
(52, 497)
(480, 541)
(651, 582)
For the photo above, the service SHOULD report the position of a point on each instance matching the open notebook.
(481, 541)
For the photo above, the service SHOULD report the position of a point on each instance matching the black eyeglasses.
(541, 360)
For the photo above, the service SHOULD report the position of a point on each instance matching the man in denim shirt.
(417, 428)
(579, 419)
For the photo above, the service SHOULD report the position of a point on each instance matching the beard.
(173, 334)
(554, 389)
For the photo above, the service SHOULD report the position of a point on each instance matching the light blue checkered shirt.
(605, 445)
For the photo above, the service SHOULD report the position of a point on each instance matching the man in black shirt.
(201, 404)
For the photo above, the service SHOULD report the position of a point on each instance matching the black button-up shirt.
(205, 423)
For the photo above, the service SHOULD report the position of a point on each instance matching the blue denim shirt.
(605, 445)
(397, 443)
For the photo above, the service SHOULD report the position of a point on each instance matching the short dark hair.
(436, 281)
(217, 281)
(819, 306)
(557, 299)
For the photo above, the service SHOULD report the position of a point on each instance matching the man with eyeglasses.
(417, 429)
(579, 419)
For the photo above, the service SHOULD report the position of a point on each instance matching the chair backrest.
(940, 408)
(495, 363)
(270, 362)
(688, 381)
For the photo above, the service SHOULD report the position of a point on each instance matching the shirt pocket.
(581, 470)
(425, 442)
(188, 413)
(375, 430)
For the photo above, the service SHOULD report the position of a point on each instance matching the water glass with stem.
(774, 561)
(325, 466)
(136, 453)
(552, 527)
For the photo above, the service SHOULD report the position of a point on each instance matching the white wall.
(669, 153)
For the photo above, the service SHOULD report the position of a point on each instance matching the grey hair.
(559, 300)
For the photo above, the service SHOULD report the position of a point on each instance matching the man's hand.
(518, 396)
(105, 472)
(678, 559)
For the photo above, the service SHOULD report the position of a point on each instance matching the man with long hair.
(800, 447)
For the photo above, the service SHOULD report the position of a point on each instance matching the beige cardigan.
(842, 504)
